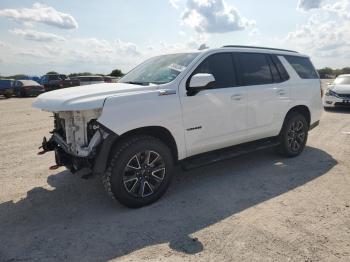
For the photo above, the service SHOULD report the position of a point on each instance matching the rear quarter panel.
(305, 92)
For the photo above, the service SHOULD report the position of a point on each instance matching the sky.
(99, 36)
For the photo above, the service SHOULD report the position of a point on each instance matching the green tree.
(326, 72)
(80, 74)
(52, 73)
(346, 70)
(116, 73)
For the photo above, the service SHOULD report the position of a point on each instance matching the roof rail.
(259, 47)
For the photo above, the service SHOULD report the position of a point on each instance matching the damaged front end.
(76, 139)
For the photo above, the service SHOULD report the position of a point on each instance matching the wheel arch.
(114, 140)
(303, 110)
(159, 132)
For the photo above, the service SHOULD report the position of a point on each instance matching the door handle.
(281, 92)
(236, 97)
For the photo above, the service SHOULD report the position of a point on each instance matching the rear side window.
(221, 67)
(96, 79)
(255, 69)
(280, 68)
(303, 67)
(53, 77)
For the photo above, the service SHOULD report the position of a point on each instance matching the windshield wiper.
(137, 83)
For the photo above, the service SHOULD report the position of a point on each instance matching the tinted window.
(275, 74)
(281, 70)
(221, 67)
(96, 79)
(303, 67)
(255, 69)
(53, 77)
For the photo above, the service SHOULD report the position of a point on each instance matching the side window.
(221, 67)
(303, 67)
(53, 77)
(275, 74)
(281, 70)
(255, 69)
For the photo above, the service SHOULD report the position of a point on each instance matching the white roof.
(29, 82)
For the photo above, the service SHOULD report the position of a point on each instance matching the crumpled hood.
(340, 89)
(85, 97)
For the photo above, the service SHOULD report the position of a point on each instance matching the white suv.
(179, 108)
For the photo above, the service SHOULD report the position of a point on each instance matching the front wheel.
(139, 171)
(293, 135)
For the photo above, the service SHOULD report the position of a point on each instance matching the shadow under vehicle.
(74, 222)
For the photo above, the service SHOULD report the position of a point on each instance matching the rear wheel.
(293, 135)
(7, 95)
(22, 94)
(139, 172)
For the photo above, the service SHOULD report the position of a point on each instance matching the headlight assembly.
(329, 92)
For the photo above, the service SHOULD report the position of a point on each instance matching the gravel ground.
(257, 207)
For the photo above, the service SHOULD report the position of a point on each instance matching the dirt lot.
(258, 207)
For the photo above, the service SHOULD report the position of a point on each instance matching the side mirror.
(202, 81)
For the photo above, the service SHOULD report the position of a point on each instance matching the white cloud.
(33, 53)
(175, 3)
(306, 5)
(37, 35)
(214, 16)
(41, 13)
(3, 44)
(340, 8)
(326, 34)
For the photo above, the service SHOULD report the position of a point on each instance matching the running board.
(228, 153)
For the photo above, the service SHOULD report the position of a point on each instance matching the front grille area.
(344, 104)
(344, 95)
(59, 125)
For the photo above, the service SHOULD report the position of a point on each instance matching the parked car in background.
(90, 80)
(24, 88)
(338, 93)
(6, 87)
(58, 81)
(111, 79)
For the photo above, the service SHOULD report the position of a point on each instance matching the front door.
(214, 118)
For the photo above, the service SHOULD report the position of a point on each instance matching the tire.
(293, 136)
(7, 95)
(139, 171)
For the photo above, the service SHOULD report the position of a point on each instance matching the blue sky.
(98, 36)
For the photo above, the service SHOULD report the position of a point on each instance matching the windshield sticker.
(177, 67)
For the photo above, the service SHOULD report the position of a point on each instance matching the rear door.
(267, 93)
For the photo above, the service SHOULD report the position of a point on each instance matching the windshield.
(342, 80)
(159, 70)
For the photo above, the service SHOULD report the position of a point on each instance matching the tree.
(116, 73)
(52, 73)
(80, 74)
(346, 70)
(326, 72)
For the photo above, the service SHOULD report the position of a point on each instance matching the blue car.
(7, 87)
